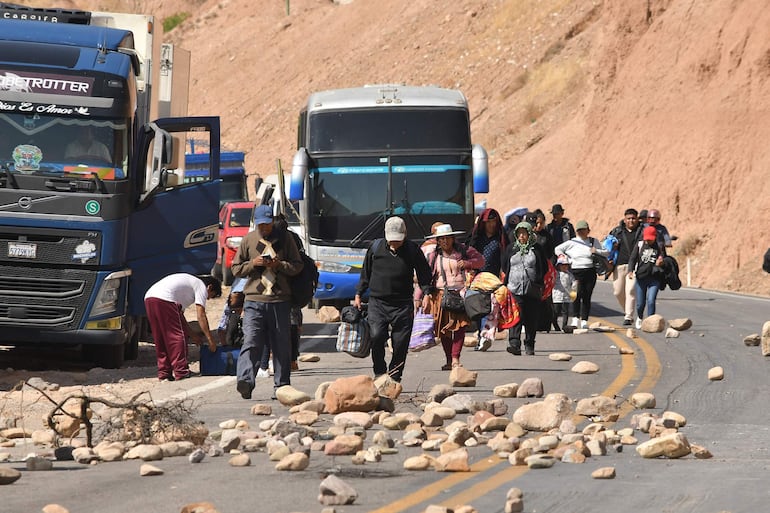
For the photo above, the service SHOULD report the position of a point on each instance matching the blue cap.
(263, 214)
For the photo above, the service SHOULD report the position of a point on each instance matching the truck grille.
(49, 297)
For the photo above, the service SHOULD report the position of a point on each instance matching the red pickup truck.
(234, 219)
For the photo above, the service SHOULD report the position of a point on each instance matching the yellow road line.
(629, 370)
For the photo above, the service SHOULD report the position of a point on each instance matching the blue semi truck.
(232, 172)
(93, 204)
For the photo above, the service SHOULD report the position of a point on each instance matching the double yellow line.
(628, 373)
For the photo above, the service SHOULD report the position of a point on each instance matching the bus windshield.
(347, 194)
(48, 144)
(389, 129)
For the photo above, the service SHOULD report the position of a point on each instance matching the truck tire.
(131, 349)
(216, 271)
(105, 356)
(227, 278)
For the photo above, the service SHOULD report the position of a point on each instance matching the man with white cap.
(388, 274)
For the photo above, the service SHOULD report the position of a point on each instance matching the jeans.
(265, 324)
(646, 294)
(398, 319)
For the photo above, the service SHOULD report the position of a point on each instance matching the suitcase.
(221, 363)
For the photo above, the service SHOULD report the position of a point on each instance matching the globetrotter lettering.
(38, 84)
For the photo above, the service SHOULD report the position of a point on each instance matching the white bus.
(368, 153)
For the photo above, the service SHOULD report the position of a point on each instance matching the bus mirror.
(299, 169)
(480, 169)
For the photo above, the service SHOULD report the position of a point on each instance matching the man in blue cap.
(267, 258)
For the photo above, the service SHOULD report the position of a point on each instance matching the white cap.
(395, 229)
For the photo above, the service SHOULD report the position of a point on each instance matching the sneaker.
(183, 376)
(530, 350)
(263, 373)
(270, 370)
(166, 378)
(627, 322)
(514, 350)
(638, 324)
(584, 324)
(484, 344)
(244, 389)
(574, 322)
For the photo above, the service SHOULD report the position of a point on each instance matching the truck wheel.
(105, 356)
(131, 349)
(227, 279)
(216, 271)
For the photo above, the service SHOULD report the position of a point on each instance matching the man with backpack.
(387, 273)
(268, 257)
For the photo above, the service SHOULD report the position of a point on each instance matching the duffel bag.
(477, 304)
(353, 338)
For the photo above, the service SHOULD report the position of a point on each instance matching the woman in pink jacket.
(450, 262)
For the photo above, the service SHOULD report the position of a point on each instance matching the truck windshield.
(47, 144)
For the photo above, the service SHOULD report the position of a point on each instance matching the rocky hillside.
(598, 105)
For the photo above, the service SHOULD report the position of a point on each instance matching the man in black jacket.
(628, 233)
(388, 274)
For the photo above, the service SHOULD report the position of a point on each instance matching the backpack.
(304, 284)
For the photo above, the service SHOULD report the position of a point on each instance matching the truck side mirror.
(162, 155)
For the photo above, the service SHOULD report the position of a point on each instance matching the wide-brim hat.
(444, 230)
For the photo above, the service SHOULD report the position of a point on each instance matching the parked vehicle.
(232, 171)
(372, 152)
(84, 234)
(234, 219)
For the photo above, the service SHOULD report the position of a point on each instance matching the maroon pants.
(167, 327)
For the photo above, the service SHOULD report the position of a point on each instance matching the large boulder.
(544, 415)
(356, 393)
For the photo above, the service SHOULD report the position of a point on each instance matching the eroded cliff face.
(597, 105)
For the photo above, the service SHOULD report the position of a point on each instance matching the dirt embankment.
(597, 105)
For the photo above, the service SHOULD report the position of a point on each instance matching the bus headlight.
(107, 298)
(333, 267)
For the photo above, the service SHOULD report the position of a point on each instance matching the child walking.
(562, 302)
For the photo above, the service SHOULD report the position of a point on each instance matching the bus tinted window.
(391, 129)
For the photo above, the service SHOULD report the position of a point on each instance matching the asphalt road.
(729, 417)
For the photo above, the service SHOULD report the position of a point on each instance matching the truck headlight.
(107, 298)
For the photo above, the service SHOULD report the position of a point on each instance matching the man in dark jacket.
(628, 233)
(560, 228)
(387, 273)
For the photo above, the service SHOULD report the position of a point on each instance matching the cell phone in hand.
(267, 258)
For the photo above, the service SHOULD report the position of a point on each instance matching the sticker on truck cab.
(202, 236)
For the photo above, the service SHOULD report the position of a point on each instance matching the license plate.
(22, 250)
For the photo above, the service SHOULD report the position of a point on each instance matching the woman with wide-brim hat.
(450, 262)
